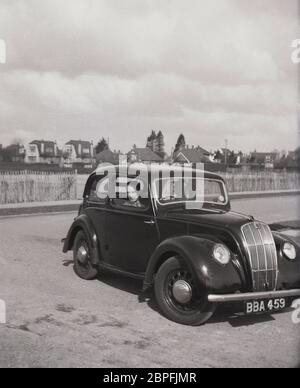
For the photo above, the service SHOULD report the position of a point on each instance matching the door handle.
(149, 222)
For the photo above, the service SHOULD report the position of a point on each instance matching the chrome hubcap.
(182, 292)
(82, 255)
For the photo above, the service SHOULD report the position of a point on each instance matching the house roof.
(47, 144)
(264, 154)
(260, 157)
(84, 145)
(107, 156)
(193, 155)
(146, 155)
(15, 149)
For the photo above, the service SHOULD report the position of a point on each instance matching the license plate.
(264, 306)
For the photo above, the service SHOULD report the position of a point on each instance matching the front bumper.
(252, 296)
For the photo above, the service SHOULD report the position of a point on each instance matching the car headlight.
(289, 250)
(222, 254)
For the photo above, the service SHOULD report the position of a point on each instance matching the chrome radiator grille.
(261, 250)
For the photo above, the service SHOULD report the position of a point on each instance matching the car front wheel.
(82, 254)
(178, 296)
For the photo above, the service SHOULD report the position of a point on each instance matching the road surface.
(54, 319)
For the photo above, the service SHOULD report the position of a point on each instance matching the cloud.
(88, 68)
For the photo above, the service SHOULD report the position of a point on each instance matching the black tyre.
(81, 254)
(178, 296)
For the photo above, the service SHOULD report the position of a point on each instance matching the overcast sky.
(211, 69)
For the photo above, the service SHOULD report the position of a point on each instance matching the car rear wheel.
(81, 254)
(178, 296)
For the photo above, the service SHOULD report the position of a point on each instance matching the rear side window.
(96, 192)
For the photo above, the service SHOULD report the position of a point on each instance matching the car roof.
(154, 168)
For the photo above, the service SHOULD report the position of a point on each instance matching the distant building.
(192, 155)
(41, 151)
(264, 160)
(78, 153)
(14, 153)
(229, 157)
(143, 155)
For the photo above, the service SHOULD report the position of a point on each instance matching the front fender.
(288, 271)
(82, 222)
(196, 252)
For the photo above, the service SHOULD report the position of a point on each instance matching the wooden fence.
(30, 186)
(262, 181)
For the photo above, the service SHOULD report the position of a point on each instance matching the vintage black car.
(196, 253)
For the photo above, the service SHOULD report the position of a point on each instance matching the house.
(143, 155)
(289, 161)
(264, 160)
(42, 151)
(14, 153)
(192, 155)
(78, 153)
(108, 156)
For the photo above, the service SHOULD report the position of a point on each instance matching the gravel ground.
(54, 319)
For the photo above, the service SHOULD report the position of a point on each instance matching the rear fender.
(82, 223)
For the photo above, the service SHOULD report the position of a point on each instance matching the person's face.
(133, 196)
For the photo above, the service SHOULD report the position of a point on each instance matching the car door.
(95, 209)
(131, 235)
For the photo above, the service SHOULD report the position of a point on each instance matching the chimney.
(92, 149)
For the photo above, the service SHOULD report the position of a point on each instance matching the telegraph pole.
(226, 155)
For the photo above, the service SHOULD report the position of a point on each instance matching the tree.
(218, 156)
(160, 145)
(152, 141)
(232, 159)
(180, 143)
(102, 146)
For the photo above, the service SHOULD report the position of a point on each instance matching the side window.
(130, 196)
(98, 190)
